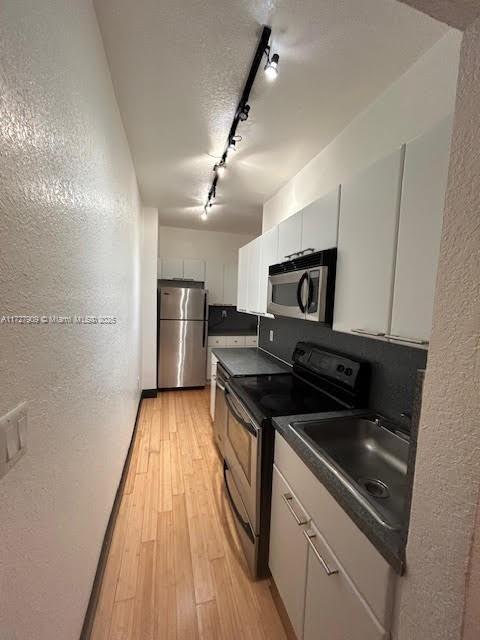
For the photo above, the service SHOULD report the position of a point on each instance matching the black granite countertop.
(249, 362)
(391, 544)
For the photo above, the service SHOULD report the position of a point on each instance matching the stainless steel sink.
(367, 457)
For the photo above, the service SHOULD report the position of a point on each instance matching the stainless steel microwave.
(304, 287)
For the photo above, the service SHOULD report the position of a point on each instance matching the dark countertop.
(391, 544)
(249, 362)
(239, 332)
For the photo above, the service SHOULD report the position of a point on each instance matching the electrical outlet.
(13, 437)
(270, 337)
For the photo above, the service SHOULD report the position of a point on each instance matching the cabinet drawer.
(370, 573)
(333, 607)
(251, 341)
(235, 341)
(217, 341)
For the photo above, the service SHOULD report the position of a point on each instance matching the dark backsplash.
(393, 367)
(235, 322)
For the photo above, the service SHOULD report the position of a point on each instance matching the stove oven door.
(243, 450)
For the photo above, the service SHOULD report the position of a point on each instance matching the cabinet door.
(242, 291)
(194, 269)
(320, 222)
(420, 229)
(333, 608)
(230, 281)
(172, 268)
(367, 242)
(269, 252)
(288, 550)
(214, 281)
(289, 236)
(253, 287)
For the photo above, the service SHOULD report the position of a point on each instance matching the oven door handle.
(244, 524)
(300, 291)
(246, 425)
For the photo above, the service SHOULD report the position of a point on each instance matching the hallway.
(175, 569)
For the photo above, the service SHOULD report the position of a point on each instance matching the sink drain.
(374, 487)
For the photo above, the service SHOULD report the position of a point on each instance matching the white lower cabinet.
(288, 550)
(333, 583)
(333, 608)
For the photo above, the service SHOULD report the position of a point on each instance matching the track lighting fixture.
(271, 68)
(243, 108)
(243, 113)
(220, 168)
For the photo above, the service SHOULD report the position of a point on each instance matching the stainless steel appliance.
(220, 422)
(304, 287)
(320, 382)
(182, 337)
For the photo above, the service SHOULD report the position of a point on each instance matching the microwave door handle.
(300, 292)
(310, 293)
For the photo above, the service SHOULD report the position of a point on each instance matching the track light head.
(220, 169)
(204, 215)
(243, 113)
(232, 145)
(271, 68)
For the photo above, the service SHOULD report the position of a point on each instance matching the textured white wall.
(440, 556)
(69, 244)
(420, 98)
(149, 254)
(175, 242)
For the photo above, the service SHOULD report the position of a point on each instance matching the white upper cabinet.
(230, 278)
(253, 269)
(320, 222)
(269, 250)
(172, 268)
(367, 240)
(420, 229)
(289, 237)
(214, 282)
(194, 269)
(242, 292)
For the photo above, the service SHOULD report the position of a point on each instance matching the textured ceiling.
(456, 13)
(178, 68)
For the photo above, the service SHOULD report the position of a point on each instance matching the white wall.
(149, 254)
(69, 243)
(174, 242)
(420, 98)
(440, 595)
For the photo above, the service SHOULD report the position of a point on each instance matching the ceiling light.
(243, 113)
(232, 145)
(271, 68)
(204, 215)
(220, 168)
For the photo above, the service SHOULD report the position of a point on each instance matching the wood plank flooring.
(175, 569)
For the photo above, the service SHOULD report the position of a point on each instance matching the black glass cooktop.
(281, 395)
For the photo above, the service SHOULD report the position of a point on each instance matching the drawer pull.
(365, 332)
(404, 339)
(310, 535)
(288, 499)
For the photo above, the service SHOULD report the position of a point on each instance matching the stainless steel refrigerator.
(182, 337)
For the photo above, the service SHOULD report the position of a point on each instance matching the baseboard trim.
(149, 393)
(107, 539)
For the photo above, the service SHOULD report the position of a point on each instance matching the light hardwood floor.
(175, 569)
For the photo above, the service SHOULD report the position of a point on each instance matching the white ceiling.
(178, 67)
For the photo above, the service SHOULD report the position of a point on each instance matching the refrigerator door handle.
(205, 319)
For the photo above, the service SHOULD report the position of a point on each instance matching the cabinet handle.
(288, 499)
(365, 332)
(404, 339)
(309, 535)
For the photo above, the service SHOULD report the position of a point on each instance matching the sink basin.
(368, 458)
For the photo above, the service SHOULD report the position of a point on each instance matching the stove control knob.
(340, 368)
(348, 371)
